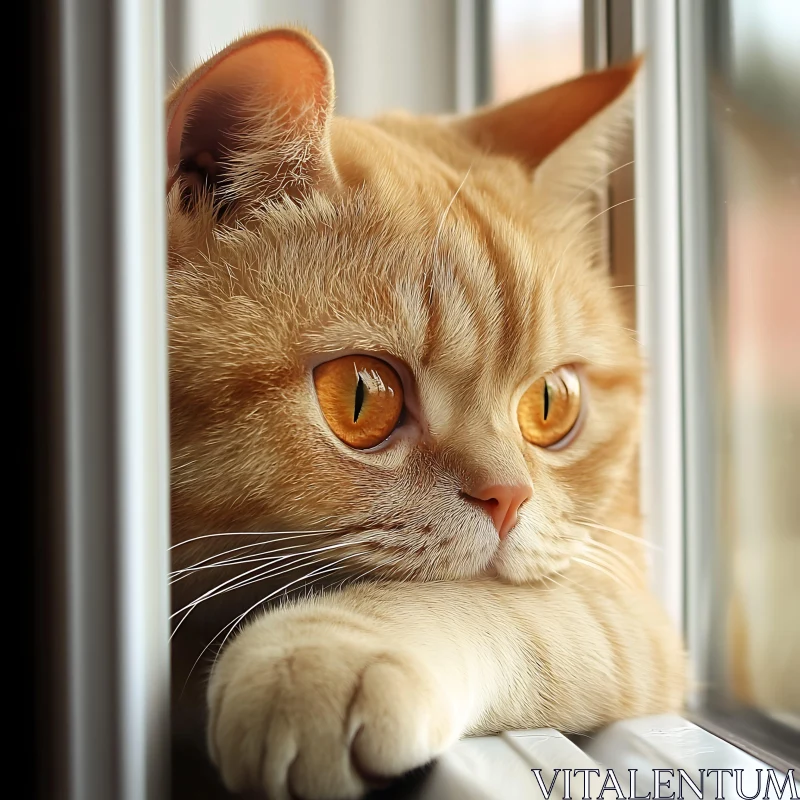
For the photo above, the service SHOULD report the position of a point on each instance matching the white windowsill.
(500, 767)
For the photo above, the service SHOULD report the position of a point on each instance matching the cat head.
(399, 332)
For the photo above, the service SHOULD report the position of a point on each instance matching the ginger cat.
(404, 429)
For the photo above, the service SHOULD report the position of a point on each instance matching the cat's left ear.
(564, 134)
(254, 120)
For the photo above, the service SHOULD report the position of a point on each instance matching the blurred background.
(430, 56)
(756, 113)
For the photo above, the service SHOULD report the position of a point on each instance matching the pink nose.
(501, 503)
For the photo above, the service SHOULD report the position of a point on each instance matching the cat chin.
(523, 568)
(489, 572)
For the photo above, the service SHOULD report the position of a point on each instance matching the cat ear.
(565, 133)
(254, 120)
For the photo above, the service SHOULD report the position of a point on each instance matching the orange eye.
(361, 398)
(550, 408)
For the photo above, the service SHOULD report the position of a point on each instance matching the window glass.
(757, 192)
(534, 44)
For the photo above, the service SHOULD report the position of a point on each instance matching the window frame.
(102, 492)
(105, 496)
(677, 240)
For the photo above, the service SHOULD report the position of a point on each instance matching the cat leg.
(329, 697)
(319, 702)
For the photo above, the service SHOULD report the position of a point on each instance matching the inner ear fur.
(253, 121)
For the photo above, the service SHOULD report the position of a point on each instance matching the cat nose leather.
(501, 502)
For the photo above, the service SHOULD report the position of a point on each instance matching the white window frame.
(108, 480)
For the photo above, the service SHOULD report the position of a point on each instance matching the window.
(534, 45)
(741, 280)
(702, 227)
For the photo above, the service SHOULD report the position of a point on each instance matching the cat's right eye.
(361, 398)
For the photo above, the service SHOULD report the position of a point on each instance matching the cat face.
(394, 333)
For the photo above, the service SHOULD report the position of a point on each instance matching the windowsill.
(764, 737)
(501, 767)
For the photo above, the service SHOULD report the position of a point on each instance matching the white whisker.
(256, 533)
(322, 572)
(440, 227)
(580, 230)
(215, 555)
(595, 182)
(613, 561)
(278, 591)
(207, 595)
(600, 568)
(615, 553)
(588, 523)
(232, 626)
(550, 579)
(254, 558)
(203, 564)
(597, 216)
(269, 572)
(566, 578)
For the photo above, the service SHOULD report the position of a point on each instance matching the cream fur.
(474, 277)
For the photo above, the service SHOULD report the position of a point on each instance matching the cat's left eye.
(549, 409)
(361, 398)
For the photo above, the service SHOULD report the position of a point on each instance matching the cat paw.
(322, 712)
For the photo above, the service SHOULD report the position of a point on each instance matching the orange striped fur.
(471, 264)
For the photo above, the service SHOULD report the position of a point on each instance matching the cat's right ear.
(253, 121)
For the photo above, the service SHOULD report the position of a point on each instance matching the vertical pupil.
(359, 398)
(546, 401)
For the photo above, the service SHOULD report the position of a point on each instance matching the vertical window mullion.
(658, 294)
(110, 612)
(705, 573)
(141, 382)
